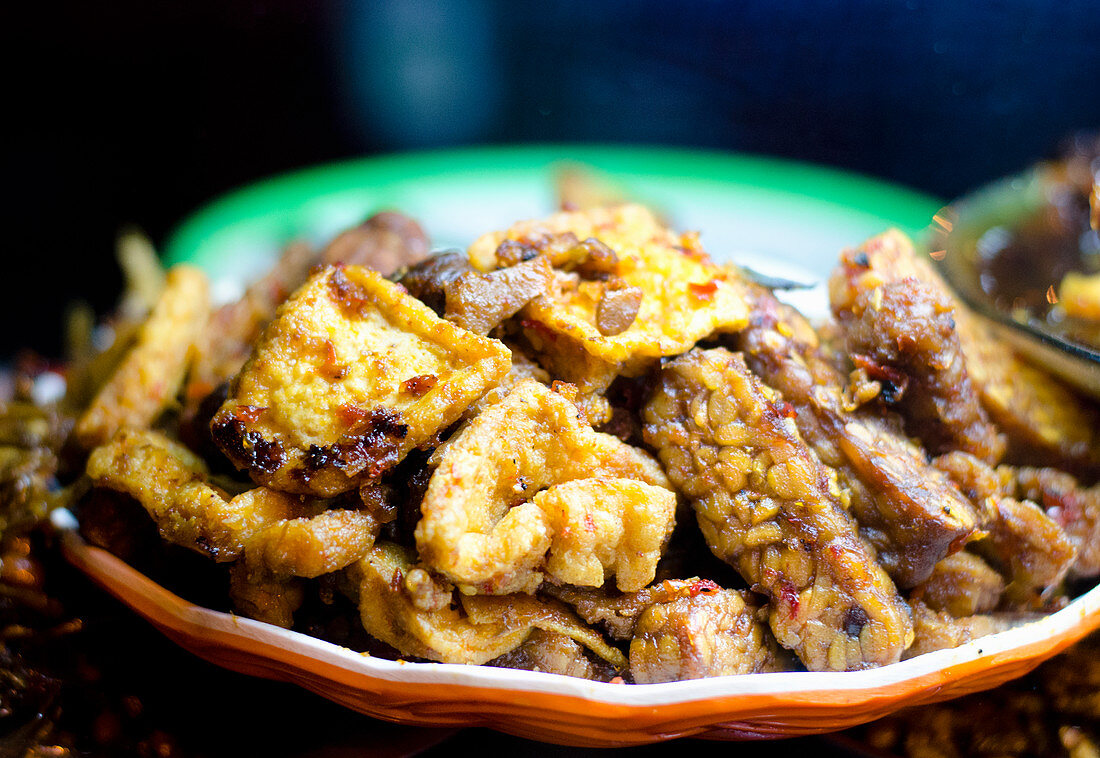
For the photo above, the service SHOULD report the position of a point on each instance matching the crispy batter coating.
(898, 319)
(1074, 507)
(170, 483)
(445, 634)
(311, 546)
(714, 633)
(769, 507)
(487, 523)
(148, 378)
(683, 296)
(963, 585)
(351, 375)
(910, 512)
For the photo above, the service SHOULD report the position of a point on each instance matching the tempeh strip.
(769, 507)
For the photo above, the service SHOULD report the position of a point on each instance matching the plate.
(779, 217)
(763, 212)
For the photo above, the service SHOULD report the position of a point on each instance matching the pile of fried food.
(584, 447)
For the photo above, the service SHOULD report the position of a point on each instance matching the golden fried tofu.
(582, 329)
(351, 375)
(488, 525)
(151, 374)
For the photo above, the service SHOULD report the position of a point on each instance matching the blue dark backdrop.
(137, 112)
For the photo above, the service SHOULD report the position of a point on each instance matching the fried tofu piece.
(351, 375)
(768, 507)
(150, 375)
(488, 525)
(444, 634)
(908, 510)
(171, 484)
(898, 321)
(715, 633)
(683, 297)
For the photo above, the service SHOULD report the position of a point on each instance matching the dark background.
(138, 112)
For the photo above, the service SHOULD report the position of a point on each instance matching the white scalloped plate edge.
(1076, 619)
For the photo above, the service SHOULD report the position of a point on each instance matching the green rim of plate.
(329, 197)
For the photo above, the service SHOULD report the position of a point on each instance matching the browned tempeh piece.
(908, 510)
(963, 585)
(1074, 507)
(1029, 547)
(938, 630)
(769, 507)
(901, 324)
(714, 633)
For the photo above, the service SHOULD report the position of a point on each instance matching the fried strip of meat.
(715, 633)
(910, 512)
(1074, 507)
(899, 320)
(149, 377)
(263, 596)
(769, 507)
(171, 484)
(527, 489)
(618, 613)
(537, 613)
(681, 296)
(554, 653)
(480, 302)
(351, 375)
(389, 613)
(387, 242)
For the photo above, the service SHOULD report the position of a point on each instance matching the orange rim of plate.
(570, 711)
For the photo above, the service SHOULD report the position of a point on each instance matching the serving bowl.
(777, 217)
